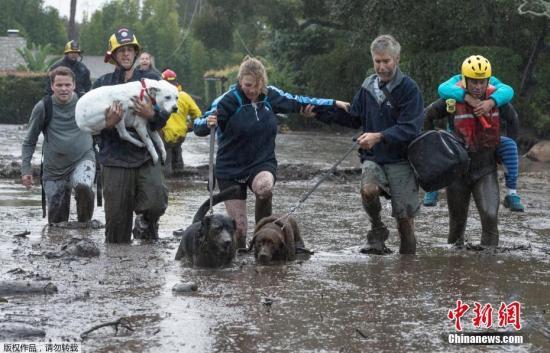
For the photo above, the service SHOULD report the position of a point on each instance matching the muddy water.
(336, 301)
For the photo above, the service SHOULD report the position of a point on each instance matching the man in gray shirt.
(68, 155)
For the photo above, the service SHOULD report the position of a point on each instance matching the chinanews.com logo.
(508, 317)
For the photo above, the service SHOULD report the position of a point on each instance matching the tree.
(36, 58)
(38, 24)
(539, 8)
(95, 32)
(72, 27)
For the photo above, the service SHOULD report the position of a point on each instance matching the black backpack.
(438, 158)
(48, 112)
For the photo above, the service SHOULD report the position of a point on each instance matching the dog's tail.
(231, 193)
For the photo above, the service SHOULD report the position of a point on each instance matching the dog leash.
(211, 168)
(327, 174)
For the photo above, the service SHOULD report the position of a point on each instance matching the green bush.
(19, 92)
(431, 69)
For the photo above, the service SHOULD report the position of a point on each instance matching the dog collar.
(144, 90)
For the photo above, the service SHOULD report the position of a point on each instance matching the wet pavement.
(336, 301)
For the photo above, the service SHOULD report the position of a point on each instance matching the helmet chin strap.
(123, 70)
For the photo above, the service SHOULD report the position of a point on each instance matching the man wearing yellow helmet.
(177, 126)
(481, 135)
(131, 181)
(507, 150)
(71, 60)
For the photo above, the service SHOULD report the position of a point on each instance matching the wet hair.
(61, 71)
(386, 43)
(255, 68)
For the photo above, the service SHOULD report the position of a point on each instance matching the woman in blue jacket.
(246, 125)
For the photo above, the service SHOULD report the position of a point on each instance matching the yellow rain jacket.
(176, 127)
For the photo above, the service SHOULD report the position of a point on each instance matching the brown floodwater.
(338, 300)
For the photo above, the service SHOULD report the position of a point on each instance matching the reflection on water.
(337, 301)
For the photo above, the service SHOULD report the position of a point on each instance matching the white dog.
(91, 107)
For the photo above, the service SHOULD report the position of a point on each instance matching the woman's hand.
(342, 105)
(212, 120)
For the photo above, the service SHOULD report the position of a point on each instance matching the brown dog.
(276, 239)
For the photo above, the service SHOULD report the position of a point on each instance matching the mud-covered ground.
(336, 301)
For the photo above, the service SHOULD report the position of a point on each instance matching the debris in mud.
(123, 322)
(360, 333)
(28, 275)
(16, 271)
(93, 224)
(185, 287)
(495, 250)
(13, 331)
(267, 301)
(21, 234)
(178, 232)
(81, 247)
(25, 287)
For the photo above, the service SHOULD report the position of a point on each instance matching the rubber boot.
(378, 233)
(405, 228)
(375, 242)
(145, 230)
(84, 197)
(263, 206)
(167, 169)
(154, 231)
(177, 159)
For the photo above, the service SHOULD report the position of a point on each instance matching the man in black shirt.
(131, 181)
(71, 60)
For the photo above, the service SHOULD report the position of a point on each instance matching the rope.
(186, 33)
(242, 42)
(327, 174)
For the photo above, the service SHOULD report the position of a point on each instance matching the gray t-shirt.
(65, 145)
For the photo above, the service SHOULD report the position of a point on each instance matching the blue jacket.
(399, 119)
(449, 89)
(113, 151)
(246, 132)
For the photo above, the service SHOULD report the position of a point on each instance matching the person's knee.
(262, 185)
(264, 194)
(86, 189)
(489, 217)
(369, 192)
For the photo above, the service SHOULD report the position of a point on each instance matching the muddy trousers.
(58, 194)
(486, 197)
(174, 158)
(396, 180)
(127, 190)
